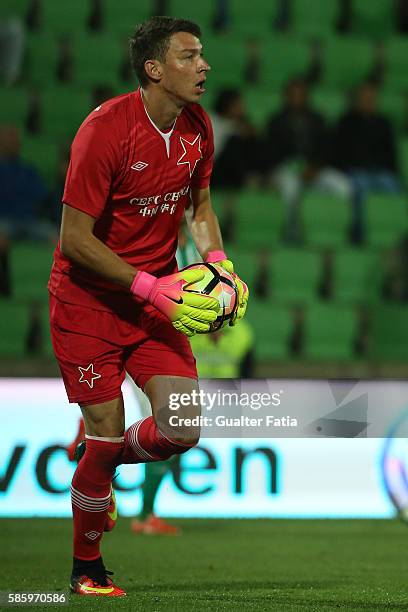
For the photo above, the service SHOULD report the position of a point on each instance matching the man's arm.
(204, 226)
(78, 242)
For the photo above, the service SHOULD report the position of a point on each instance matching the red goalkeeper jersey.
(135, 181)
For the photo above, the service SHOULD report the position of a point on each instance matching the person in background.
(22, 194)
(297, 153)
(365, 149)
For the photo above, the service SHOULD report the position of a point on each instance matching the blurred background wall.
(309, 101)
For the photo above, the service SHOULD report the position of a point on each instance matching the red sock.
(91, 492)
(144, 443)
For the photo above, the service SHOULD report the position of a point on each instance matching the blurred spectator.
(314, 72)
(365, 149)
(95, 21)
(12, 41)
(237, 153)
(65, 61)
(378, 71)
(298, 154)
(345, 16)
(22, 193)
(51, 208)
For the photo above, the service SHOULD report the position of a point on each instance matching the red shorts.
(96, 348)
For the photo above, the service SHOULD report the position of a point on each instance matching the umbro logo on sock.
(92, 535)
(139, 166)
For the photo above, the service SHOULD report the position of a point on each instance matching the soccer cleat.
(112, 514)
(96, 586)
(153, 525)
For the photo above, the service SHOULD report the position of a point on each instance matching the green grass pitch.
(223, 565)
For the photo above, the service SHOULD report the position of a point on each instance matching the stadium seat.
(14, 105)
(246, 263)
(42, 54)
(64, 17)
(13, 8)
(63, 110)
(13, 327)
(122, 17)
(97, 60)
(373, 19)
(41, 154)
(397, 75)
(386, 219)
(330, 332)
(330, 103)
(283, 57)
(325, 219)
(314, 18)
(201, 13)
(30, 270)
(273, 327)
(259, 218)
(403, 154)
(393, 105)
(253, 18)
(226, 56)
(356, 276)
(295, 275)
(260, 104)
(347, 61)
(389, 333)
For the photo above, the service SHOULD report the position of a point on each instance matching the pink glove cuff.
(214, 256)
(142, 284)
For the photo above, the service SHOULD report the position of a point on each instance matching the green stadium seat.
(397, 74)
(47, 349)
(64, 17)
(254, 19)
(283, 57)
(295, 275)
(347, 61)
(373, 18)
(330, 103)
(260, 104)
(13, 8)
(14, 105)
(226, 56)
(97, 60)
(325, 219)
(13, 328)
(259, 218)
(41, 154)
(42, 54)
(386, 219)
(201, 13)
(122, 17)
(403, 155)
(314, 18)
(30, 270)
(246, 263)
(330, 332)
(356, 276)
(389, 333)
(273, 328)
(63, 110)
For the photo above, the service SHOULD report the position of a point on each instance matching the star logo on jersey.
(88, 375)
(191, 153)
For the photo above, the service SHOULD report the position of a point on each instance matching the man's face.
(184, 70)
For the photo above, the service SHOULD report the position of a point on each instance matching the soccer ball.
(218, 283)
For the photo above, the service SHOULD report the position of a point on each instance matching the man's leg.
(154, 438)
(91, 487)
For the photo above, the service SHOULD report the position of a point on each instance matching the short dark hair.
(151, 41)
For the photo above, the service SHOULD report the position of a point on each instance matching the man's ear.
(153, 69)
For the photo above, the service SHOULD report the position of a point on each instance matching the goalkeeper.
(117, 302)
